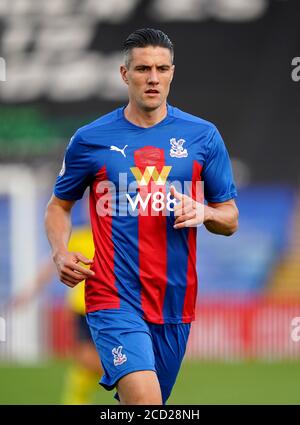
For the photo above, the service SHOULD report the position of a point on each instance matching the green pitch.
(198, 383)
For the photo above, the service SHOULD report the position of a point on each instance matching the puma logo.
(115, 148)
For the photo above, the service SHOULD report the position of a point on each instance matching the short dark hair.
(146, 37)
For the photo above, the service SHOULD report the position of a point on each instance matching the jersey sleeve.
(76, 172)
(217, 174)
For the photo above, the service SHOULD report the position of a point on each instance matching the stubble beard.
(150, 107)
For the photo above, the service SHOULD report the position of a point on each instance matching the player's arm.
(221, 218)
(58, 228)
(220, 215)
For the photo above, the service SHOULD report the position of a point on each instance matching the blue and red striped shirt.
(141, 262)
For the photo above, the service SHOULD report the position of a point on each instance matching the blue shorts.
(127, 343)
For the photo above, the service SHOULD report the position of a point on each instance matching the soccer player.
(142, 284)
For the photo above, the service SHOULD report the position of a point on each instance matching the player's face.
(149, 76)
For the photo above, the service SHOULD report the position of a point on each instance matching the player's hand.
(188, 212)
(69, 270)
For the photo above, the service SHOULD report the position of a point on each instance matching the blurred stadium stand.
(62, 61)
(285, 276)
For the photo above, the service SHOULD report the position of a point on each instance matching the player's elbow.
(231, 230)
(234, 225)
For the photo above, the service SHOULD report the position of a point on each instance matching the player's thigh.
(140, 387)
(169, 346)
(124, 343)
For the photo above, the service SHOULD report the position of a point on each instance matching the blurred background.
(237, 65)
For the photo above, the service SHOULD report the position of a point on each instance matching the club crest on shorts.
(119, 357)
(177, 150)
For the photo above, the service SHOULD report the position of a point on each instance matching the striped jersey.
(141, 262)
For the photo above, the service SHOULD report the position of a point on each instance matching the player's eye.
(142, 68)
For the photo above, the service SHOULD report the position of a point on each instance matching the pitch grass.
(198, 383)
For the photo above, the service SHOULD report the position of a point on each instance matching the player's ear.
(172, 72)
(123, 72)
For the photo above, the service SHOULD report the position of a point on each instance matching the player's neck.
(144, 118)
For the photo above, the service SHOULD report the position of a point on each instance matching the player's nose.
(153, 77)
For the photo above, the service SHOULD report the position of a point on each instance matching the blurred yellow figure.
(83, 376)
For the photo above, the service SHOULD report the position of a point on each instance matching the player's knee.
(140, 388)
(141, 398)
